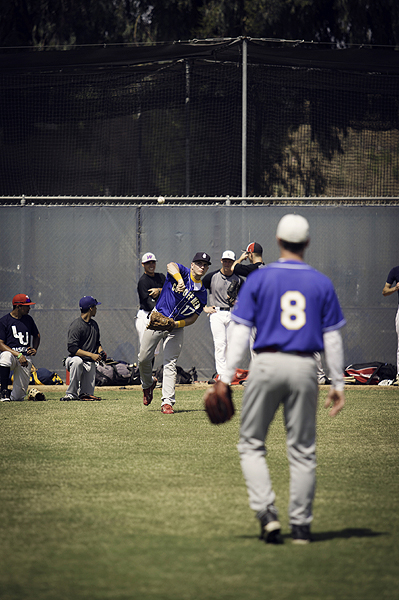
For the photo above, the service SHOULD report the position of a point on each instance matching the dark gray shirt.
(83, 336)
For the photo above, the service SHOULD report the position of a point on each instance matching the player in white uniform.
(149, 288)
(183, 297)
(219, 307)
(296, 312)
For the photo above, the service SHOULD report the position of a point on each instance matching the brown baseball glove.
(218, 403)
(158, 322)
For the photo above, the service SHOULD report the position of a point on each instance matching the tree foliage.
(49, 23)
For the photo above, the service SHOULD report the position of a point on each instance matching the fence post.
(244, 121)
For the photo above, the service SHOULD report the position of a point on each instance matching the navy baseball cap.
(202, 257)
(87, 302)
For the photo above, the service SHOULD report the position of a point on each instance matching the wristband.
(19, 355)
(177, 276)
(181, 323)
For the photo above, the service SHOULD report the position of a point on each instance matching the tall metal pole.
(187, 113)
(244, 121)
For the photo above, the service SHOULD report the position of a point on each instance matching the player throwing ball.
(182, 298)
(296, 312)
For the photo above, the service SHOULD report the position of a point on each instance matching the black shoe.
(5, 396)
(301, 534)
(270, 528)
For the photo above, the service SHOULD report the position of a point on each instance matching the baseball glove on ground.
(34, 394)
(160, 323)
(218, 403)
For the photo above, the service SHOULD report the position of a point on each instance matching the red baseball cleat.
(148, 392)
(167, 409)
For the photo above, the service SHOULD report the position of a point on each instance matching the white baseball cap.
(147, 257)
(293, 228)
(228, 254)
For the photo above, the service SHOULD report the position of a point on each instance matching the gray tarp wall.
(57, 254)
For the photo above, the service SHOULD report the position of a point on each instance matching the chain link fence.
(57, 254)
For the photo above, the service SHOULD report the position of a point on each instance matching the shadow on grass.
(346, 534)
(333, 535)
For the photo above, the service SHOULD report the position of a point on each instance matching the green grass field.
(113, 500)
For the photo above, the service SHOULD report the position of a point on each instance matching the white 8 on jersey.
(293, 315)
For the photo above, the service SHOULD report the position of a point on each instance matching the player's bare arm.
(154, 292)
(209, 310)
(4, 348)
(32, 350)
(239, 260)
(388, 290)
(174, 270)
(188, 321)
(94, 356)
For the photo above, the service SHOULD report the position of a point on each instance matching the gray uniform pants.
(290, 380)
(82, 376)
(172, 345)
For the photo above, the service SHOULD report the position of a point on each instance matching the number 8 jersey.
(291, 305)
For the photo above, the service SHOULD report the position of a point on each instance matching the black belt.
(277, 349)
(222, 308)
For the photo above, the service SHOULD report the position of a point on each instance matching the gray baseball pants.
(82, 376)
(172, 345)
(289, 380)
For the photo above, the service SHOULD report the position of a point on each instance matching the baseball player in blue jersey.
(391, 286)
(182, 298)
(296, 312)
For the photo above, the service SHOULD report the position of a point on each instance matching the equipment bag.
(112, 372)
(370, 373)
(42, 376)
(182, 377)
(240, 375)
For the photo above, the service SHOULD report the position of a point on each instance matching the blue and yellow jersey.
(180, 305)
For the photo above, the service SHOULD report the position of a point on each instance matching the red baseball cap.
(22, 300)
